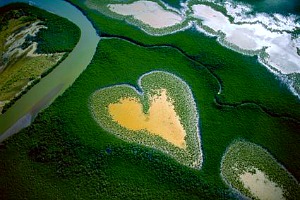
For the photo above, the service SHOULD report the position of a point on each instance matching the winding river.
(43, 94)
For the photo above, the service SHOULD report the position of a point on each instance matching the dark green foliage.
(65, 154)
(67, 145)
(60, 36)
(243, 78)
(173, 3)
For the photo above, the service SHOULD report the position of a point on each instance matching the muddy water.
(160, 120)
(63, 75)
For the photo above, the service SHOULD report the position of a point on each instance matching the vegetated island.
(251, 170)
(163, 115)
(32, 43)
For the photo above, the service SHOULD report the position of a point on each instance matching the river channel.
(44, 93)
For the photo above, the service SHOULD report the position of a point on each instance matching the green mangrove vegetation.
(61, 139)
(75, 150)
(65, 154)
(150, 84)
(242, 78)
(33, 43)
(244, 157)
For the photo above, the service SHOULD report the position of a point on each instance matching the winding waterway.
(43, 94)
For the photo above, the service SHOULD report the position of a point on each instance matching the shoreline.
(29, 117)
(257, 21)
(23, 122)
(56, 80)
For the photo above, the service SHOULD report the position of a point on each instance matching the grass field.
(65, 154)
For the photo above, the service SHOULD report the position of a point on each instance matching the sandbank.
(260, 186)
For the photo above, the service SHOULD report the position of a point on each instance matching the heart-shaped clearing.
(164, 116)
(161, 118)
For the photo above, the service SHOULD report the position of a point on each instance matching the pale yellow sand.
(260, 186)
(148, 12)
(161, 119)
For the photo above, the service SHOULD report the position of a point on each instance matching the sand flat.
(280, 47)
(260, 186)
(160, 120)
(148, 12)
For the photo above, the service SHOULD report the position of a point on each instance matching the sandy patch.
(280, 46)
(15, 41)
(148, 12)
(260, 186)
(20, 66)
(160, 120)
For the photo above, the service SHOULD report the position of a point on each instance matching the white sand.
(148, 12)
(15, 41)
(260, 186)
(240, 13)
(281, 48)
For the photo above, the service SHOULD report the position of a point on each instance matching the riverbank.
(29, 51)
(61, 75)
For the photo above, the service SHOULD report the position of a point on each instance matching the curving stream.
(43, 94)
